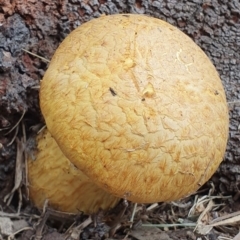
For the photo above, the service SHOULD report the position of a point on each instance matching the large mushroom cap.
(52, 176)
(137, 106)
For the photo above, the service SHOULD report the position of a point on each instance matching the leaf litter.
(199, 216)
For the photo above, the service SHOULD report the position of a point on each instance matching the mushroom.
(51, 176)
(137, 106)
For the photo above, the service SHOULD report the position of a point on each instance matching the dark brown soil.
(39, 27)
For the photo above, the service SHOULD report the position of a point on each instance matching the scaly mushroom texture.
(137, 106)
(51, 176)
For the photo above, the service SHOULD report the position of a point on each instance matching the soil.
(40, 26)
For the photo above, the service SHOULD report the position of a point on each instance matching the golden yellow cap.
(137, 106)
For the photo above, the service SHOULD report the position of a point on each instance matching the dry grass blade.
(35, 55)
(25, 166)
(10, 215)
(61, 215)
(133, 212)
(170, 225)
(225, 217)
(14, 137)
(24, 111)
(201, 227)
(36, 87)
(18, 171)
(152, 206)
(206, 210)
(233, 102)
(203, 200)
(231, 220)
(17, 215)
(224, 238)
(182, 205)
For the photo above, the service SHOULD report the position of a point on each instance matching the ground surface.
(39, 27)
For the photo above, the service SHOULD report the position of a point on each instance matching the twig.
(42, 221)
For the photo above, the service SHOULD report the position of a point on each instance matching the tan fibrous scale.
(54, 178)
(137, 106)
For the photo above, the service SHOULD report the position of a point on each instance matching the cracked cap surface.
(137, 106)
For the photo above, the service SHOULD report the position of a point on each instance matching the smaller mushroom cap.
(51, 176)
